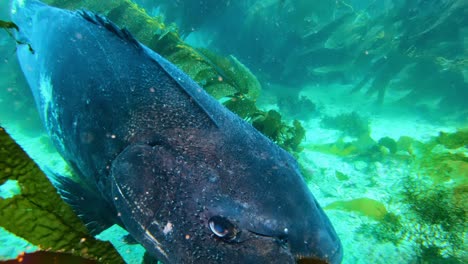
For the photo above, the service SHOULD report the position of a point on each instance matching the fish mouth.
(335, 258)
(310, 261)
(321, 254)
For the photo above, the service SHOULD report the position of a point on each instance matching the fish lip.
(334, 258)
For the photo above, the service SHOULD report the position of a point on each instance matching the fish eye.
(222, 228)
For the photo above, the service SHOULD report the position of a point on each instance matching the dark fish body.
(189, 180)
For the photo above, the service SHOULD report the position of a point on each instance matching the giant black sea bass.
(188, 179)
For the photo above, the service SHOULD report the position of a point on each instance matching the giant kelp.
(273, 127)
(49, 257)
(8, 25)
(39, 215)
(413, 49)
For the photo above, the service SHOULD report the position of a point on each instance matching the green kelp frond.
(45, 257)
(8, 25)
(455, 140)
(444, 158)
(242, 106)
(365, 206)
(232, 71)
(362, 148)
(293, 137)
(338, 148)
(39, 215)
(389, 143)
(271, 125)
(341, 176)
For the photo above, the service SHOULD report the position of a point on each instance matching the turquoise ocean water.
(380, 88)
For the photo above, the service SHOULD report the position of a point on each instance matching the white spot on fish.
(168, 228)
(45, 92)
(49, 112)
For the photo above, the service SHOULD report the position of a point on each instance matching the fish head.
(261, 196)
(226, 204)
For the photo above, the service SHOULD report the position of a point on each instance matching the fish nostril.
(311, 261)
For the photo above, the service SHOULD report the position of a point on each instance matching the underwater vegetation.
(299, 107)
(408, 53)
(366, 206)
(8, 25)
(231, 71)
(288, 138)
(49, 257)
(433, 199)
(423, 51)
(351, 124)
(388, 229)
(38, 214)
(355, 141)
(441, 212)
